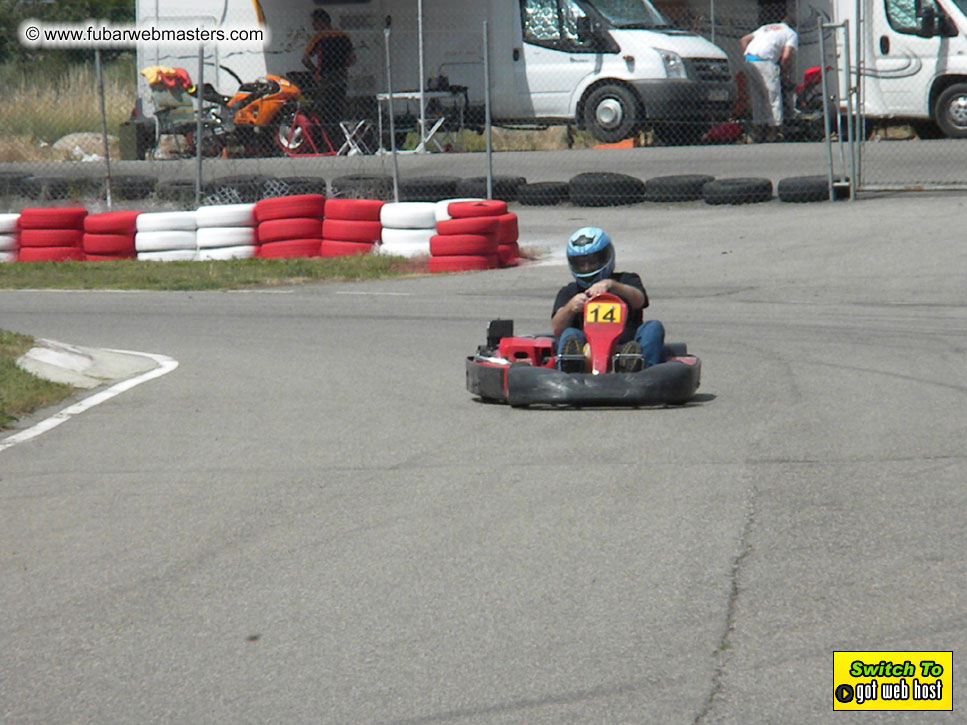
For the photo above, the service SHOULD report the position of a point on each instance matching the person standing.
(329, 55)
(768, 51)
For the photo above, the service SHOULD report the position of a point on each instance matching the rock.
(85, 146)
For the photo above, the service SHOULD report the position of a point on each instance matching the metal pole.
(419, 13)
(711, 19)
(487, 126)
(850, 140)
(826, 120)
(107, 151)
(389, 103)
(199, 125)
(860, 124)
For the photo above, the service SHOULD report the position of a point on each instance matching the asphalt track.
(310, 520)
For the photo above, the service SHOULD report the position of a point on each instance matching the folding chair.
(353, 131)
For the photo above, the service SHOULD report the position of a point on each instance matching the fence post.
(199, 125)
(487, 124)
(389, 104)
(107, 150)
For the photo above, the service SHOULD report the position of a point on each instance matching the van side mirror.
(927, 21)
(585, 29)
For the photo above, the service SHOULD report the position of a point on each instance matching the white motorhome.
(913, 59)
(611, 66)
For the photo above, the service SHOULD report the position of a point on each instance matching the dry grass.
(41, 106)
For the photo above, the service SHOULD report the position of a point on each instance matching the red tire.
(449, 245)
(462, 209)
(508, 254)
(49, 254)
(66, 217)
(507, 229)
(108, 257)
(112, 222)
(355, 210)
(351, 231)
(281, 230)
(336, 248)
(290, 249)
(487, 225)
(462, 263)
(285, 207)
(108, 243)
(51, 238)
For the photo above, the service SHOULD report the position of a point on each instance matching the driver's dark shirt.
(634, 318)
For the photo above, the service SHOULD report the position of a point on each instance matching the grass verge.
(131, 274)
(21, 392)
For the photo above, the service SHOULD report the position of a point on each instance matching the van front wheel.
(611, 113)
(950, 111)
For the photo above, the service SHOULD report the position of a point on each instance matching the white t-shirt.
(769, 41)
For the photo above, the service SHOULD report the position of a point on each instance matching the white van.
(611, 66)
(914, 56)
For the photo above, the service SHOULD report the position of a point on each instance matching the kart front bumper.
(674, 382)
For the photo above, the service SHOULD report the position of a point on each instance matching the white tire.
(8, 257)
(165, 241)
(166, 221)
(226, 215)
(169, 255)
(408, 215)
(242, 251)
(8, 242)
(441, 209)
(8, 223)
(212, 237)
(403, 249)
(407, 236)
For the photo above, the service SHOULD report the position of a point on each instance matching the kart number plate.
(602, 312)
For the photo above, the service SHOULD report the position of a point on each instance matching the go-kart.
(523, 371)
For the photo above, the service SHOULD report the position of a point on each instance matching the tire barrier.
(681, 187)
(542, 193)
(737, 191)
(351, 226)
(428, 188)
(235, 190)
(110, 235)
(131, 187)
(289, 226)
(363, 186)
(226, 232)
(407, 227)
(804, 189)
(441, 209)
(597, 188)
(8, 237)
(505, 188)
(165, 236)
(51, 234)
(477, 235)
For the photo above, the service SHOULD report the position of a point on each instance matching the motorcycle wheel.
(292, 135)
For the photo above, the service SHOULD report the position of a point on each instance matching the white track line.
(165, 366)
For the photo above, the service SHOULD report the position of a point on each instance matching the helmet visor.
(590, 263)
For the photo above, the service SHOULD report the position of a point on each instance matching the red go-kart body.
(524, 370)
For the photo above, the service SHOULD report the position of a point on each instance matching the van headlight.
(674, 65)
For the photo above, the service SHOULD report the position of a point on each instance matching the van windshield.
(630, 13)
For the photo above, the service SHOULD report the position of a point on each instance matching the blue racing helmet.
(590, 255)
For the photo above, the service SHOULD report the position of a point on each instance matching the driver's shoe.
(572, 346)
(629, 360)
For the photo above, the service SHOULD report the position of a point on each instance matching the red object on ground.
(280, 230)
(469, 225)
(351, 231)
(112, 222)
(57, 217)
(289, 249)
(448, 245)
(285, 207)
(508, 254)
(462, 209)
(109, 257)
(362, 210)
(336, 248)
(51, 238)
(49, 254)
(108, 244)
(460, 263)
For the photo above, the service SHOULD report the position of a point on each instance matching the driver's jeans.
(650, 335)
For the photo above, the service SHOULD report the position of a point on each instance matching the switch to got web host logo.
(892, 680)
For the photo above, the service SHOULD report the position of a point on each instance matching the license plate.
(718, 95)
(602, 312)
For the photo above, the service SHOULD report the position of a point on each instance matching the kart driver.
(590, 256)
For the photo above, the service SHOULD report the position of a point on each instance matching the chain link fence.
(411, 117)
